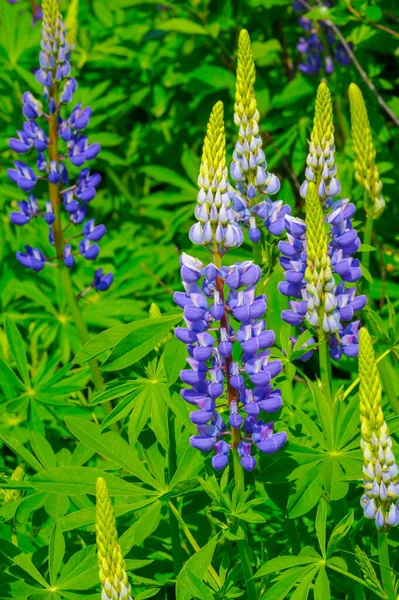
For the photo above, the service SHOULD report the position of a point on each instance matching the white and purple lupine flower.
(51, 162)
(238, 389)
(254, 184)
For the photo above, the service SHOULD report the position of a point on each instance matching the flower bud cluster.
(254, 184)
(380, 470)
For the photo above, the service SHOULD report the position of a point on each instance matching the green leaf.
(198, 564)
(183, 26)
(81, 570)
(19, 449)
(17, 350)
(321, 519)
(142, 528)
(339, 532)
(139, 343)
(9, 382)
(305, 494)
(43, 450)
(73, 481)
(55, 552)
(331, 476)
(284, 562)
(280, 590)
(165, 175)
(174, 359)
(111, 445)
(321, 588)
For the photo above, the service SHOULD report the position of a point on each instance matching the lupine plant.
(229, 429)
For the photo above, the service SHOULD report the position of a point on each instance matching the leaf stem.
(243, 545)
(324, 361)
(174, 526)
(192, 539)
(368, 232)
(386, 574)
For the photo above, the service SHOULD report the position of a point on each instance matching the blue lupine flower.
(218, 384)
(59, 88)
(315, 53)
(337, 241)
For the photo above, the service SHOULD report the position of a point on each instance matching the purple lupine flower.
(341, 243)
(51, 162)
(315, 54)
(220, 386)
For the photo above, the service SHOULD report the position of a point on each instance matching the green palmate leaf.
(82, 480)
(28, 505)
(139, 343)
(183, 26)
(111, 445)
(287, 581)
(321, 519)
(165, 175)
(142, 528)
(9, 382)
(174, 359)
(197, 564)
(339, 532)
(17, 350)
(56, 505)
(111, 337)
(188, 464)
(321, 588)
(284, 562)
(310, 426)
(55, 552)
(87, 516)
(305, 494)
(81, 571)
(196, 587)
(332, 477)
(43, 450)
(139, 415)
(302, 590)
(19, 449)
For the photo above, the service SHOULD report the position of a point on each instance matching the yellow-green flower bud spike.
(248, 167)
(113, 576)
(51, 13)
(366, 172)
(320, 287)
(320, 161)
(217, 225)
(71, 22)
(245, 108)
(11, 495)
(380, 471)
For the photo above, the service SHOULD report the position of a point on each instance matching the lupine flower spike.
(366, 172)
(44, 131)
(380, 470)
(319, 47)
(317, 256)
(254, 184)
(11, 495)
(113, 576)
(219, 385)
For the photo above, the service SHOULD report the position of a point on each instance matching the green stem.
(368, 232)
(243, 546)
(354, 578)
(324, 361)
(59, 243)
(258, 254)
(174, 526)
(192, 539)
(386, 573)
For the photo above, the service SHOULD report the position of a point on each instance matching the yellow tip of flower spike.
(112, 572)
(11, 495)
(323, 128)
(370, 390)
(214, 148)
(366, 172)
(245, 103)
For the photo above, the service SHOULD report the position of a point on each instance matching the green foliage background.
(152, 72)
